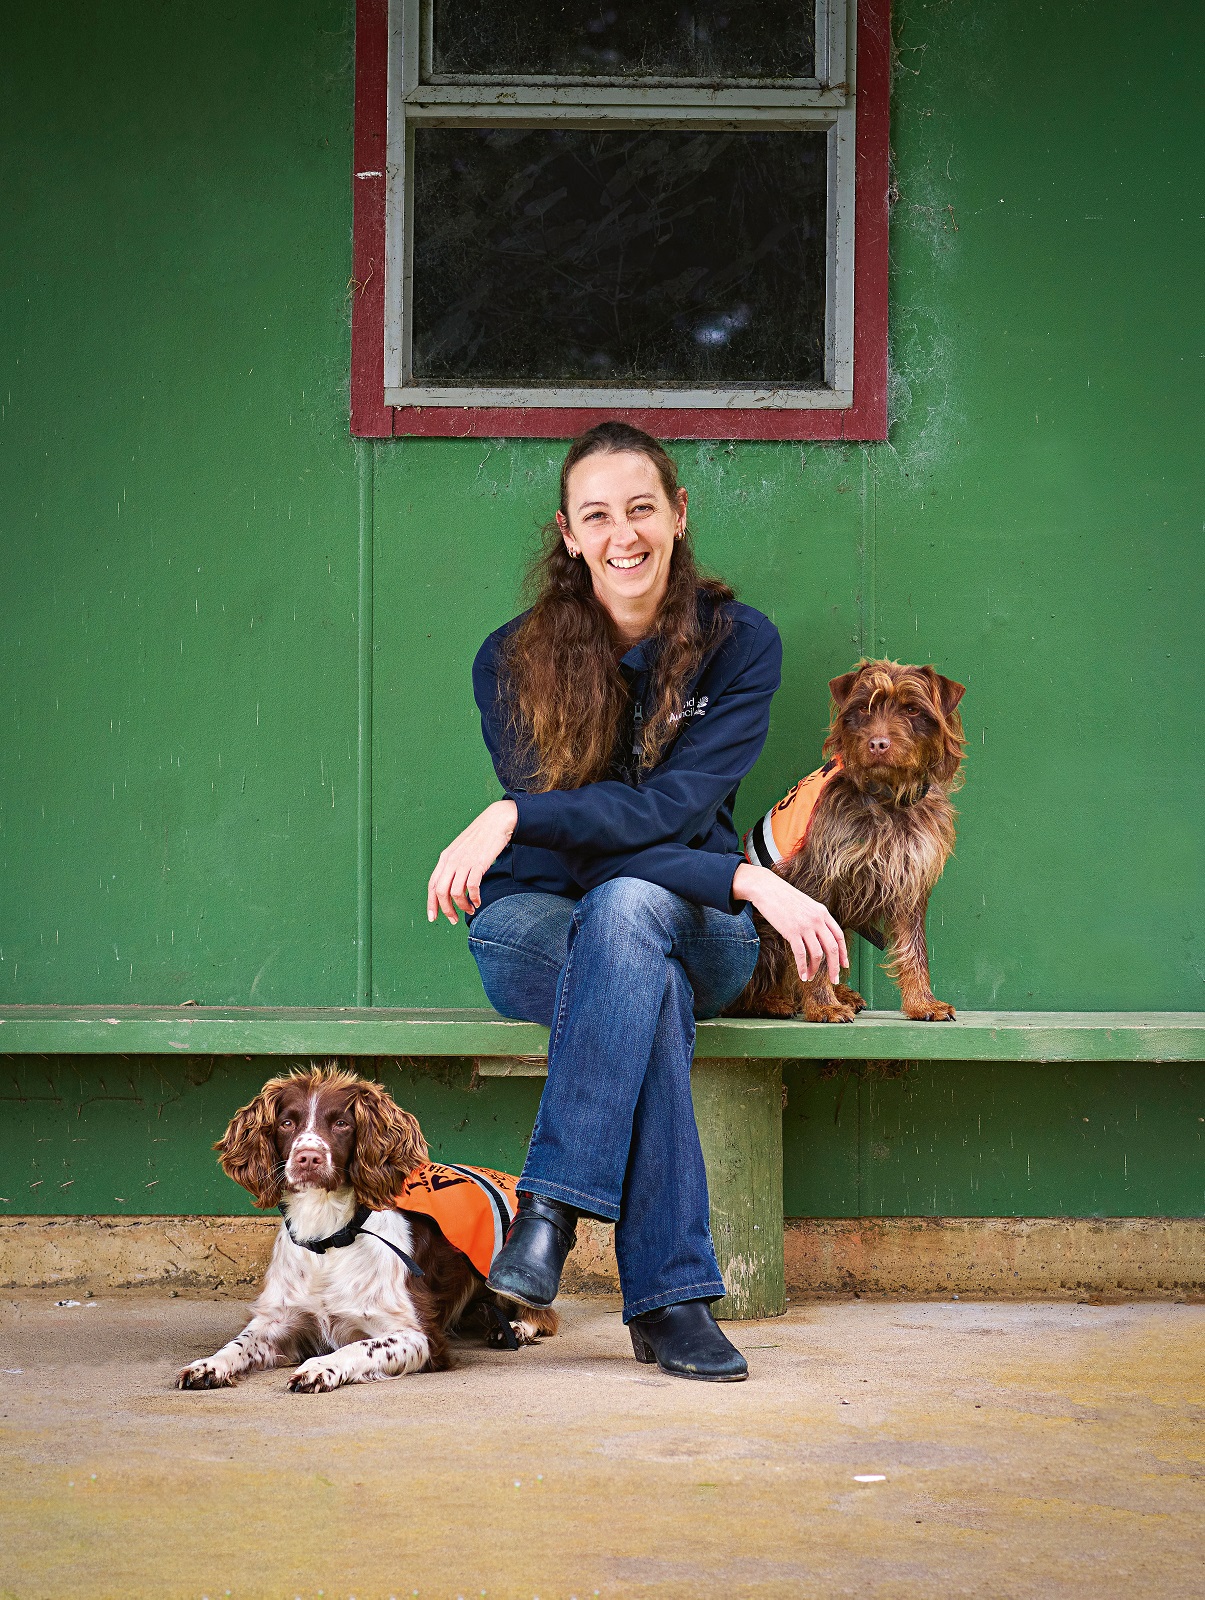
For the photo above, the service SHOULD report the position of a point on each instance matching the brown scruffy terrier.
(868, 836)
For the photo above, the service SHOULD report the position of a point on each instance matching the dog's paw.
(527, 1323)
(850, 997)
(203, 1375)
(525, 1333)
(836, 1012)
(528, 1332)
(930, 1011)
(318, 1375)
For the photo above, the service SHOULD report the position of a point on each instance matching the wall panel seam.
(365, 470)
(864, 975)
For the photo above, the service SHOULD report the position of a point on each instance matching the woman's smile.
(627, 563)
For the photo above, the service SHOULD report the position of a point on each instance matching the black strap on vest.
(348, 1234)
(502, 1322)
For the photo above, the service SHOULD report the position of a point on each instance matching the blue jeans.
(619, 976)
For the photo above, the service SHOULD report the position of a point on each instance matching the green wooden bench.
(737, 1075)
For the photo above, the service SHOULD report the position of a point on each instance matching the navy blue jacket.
(671, 825)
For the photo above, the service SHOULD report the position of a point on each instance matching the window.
(568, 209)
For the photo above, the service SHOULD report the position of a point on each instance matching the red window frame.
(865, 419)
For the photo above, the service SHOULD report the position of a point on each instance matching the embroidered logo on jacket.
(696, 706)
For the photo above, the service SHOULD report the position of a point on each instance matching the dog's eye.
(342, 1122)
(286, 1122)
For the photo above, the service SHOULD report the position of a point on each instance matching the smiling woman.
(637, 578)
(607, 894)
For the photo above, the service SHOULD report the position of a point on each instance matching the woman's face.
(624, 527)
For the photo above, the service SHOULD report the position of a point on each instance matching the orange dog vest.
(471, 1206)
(783, 829)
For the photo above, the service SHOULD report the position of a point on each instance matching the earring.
(574, 555)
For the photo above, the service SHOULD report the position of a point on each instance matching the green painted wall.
(185, 808)
(179, 510)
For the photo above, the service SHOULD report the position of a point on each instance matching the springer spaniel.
(360, 1302)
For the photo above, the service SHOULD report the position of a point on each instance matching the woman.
(607, 894)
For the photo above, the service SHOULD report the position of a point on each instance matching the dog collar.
(348, 1234)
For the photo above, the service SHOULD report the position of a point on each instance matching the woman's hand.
(814, 937)
(456, 880)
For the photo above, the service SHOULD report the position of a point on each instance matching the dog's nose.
(879, 745)
(304, 1160)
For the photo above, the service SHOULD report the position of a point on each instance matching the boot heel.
(643, 1349)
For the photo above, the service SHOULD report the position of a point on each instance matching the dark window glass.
(579, 256)
(708, 39)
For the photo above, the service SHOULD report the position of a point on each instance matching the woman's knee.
(516, 984)
(631, 901)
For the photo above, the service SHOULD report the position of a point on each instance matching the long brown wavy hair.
(566, 697)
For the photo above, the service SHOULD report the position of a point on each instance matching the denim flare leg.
(619, 976)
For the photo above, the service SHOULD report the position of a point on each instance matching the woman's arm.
(814, 935)
(679, 799)
(709, 879)
(456, 880)
(722, 881)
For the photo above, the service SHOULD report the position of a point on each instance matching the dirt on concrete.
(1027, 1450)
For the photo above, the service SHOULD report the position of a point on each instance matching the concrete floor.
(1025, 1449)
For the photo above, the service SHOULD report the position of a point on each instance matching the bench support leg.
(738, 1107)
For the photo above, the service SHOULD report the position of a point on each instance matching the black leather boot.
(686, 1341)
(528, 1267)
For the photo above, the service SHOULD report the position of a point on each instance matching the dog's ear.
(389, 1145)
(949, 693)
(247, 1150)
(841, 687)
